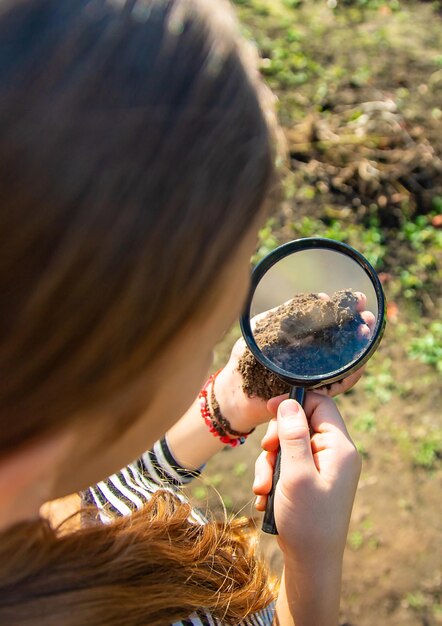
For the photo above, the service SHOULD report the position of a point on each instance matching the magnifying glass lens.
(313, 313)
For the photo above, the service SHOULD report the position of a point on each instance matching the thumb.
(294, 437)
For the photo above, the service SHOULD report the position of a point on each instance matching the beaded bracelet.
(218, 425)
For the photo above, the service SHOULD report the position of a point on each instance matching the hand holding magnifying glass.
(320, 316)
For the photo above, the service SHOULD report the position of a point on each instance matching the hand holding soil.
(312, 334)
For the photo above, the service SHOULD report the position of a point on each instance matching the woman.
(137, 152)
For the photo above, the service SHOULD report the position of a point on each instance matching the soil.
(307, 336)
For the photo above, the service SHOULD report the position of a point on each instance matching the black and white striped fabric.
(203, 618)
(129, 490)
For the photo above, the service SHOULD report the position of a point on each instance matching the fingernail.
(280, 398)
(258, 501)
(363, 331)
(273, 403)
(288, 408)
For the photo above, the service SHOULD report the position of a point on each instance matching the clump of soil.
(308, 336)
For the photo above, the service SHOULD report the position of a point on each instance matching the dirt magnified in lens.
(307, 336)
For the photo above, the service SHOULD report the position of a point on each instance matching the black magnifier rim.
(310, 243)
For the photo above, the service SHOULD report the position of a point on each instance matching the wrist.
(216, 422)
(313, 563)
(229, 396)
(323, 570)
(311, 594)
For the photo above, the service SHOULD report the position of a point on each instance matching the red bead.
(211, 422)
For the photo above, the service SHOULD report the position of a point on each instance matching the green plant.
(420, 233)
(428, 347)
(200, 492)
(410, 282)
(356, 540)
(292, 4)
(366, 422)
(379, 381)
(360, 447)
(240, 469)
(428, 451)
(416, 600)
(372, 243)
(418, 279)
(267, 241)
(213, 480)
(227, 501)
(307, 227)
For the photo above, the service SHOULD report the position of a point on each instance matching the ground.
(360, 95)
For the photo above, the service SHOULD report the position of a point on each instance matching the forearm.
(190, 440)
(309, 596)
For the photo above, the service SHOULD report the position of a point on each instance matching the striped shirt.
(132, 487)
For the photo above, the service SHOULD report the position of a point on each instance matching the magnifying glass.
(315, 313)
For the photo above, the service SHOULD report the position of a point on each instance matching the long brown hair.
(135, 149)
(152, 568)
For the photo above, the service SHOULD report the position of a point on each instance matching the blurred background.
(359, 88)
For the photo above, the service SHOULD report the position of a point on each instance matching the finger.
(260, 316)
(257, 318)
(264, 466)
(270, 441)
(362, 301)
(343, 385)
(261, 503)
(239, 348)
(273, 403)
(294, 438)
(363, 332)
(347, 383)
(319, 442)
(369, 319)
(324, 414)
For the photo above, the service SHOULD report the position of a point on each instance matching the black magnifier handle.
(268, 522)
